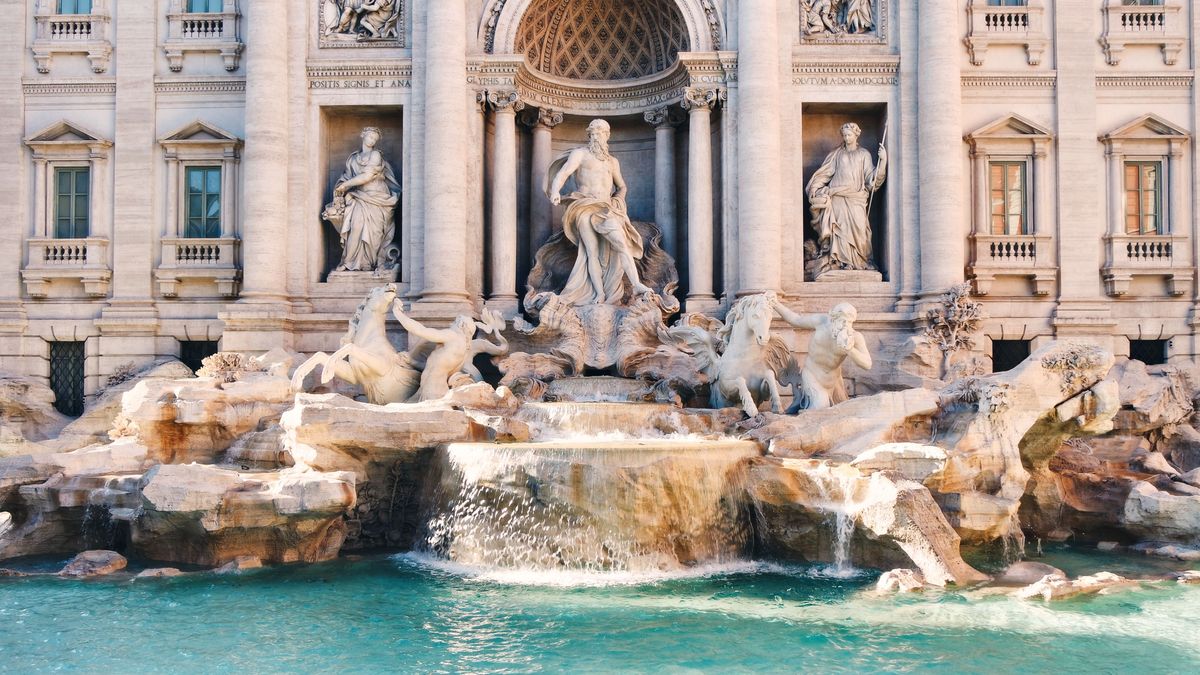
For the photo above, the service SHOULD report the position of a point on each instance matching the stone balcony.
(82, 260)
(211, 261)
(1156, 25)
(1012, 255)
(71, 34)
(989, 25)
(208, 32)
(1142, 255)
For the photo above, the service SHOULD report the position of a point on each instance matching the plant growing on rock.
(953, 324)
(228, 366)
(123, 373)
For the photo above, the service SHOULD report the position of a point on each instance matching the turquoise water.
(389, 614)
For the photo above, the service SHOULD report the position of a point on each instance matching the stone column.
(265, 155)
(445, 192)
(664, 176)
(1042, 222)
(939, 137)
(14, 186)
(983, 222)
(260, 321)
(129, 323)
(760, 217)
(541, 212)
(1082, 312)
(699, 104)
(1116, 193)
(503, 231)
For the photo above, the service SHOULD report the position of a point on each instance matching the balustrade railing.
(202, 28)
(1006, 20)
(1158, 25)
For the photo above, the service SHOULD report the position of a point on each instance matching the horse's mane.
(736, 314)
(352, 329)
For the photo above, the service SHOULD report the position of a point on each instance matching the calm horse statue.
(367, 358)
(741, 358)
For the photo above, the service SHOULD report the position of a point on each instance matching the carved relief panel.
(843, 21)
(361, 23)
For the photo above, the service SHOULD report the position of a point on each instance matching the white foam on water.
(568, 578)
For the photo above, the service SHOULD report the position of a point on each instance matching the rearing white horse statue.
(742, 359)
(435, 359)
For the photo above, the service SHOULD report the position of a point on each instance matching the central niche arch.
(601, 39)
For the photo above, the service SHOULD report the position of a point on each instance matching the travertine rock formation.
(985, 427)
(892, 521)
(208, 516)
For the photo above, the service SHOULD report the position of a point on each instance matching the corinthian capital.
(505, 100)
(548, 118)
(707, 98)
(660, 117)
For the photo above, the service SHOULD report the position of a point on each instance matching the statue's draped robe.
(847, 178)
(859, 17)
(369, 223)
(608, 218)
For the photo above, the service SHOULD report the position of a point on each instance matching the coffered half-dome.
(601, 39)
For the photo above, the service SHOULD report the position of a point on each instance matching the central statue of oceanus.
(596, 221)
(600, 256)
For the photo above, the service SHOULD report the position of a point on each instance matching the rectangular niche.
(341, 129)
(822, 123)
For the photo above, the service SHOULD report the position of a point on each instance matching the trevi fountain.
(608, 473)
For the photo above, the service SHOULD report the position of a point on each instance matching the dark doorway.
(193, 352)
(1008, 354)
(66, 376)
(1149, 352)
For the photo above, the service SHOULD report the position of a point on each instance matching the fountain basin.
(653, 504)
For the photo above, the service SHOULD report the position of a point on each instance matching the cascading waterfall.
(590, 503)
(837, 488)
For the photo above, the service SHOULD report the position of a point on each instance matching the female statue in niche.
(839, 195)
(364, 207)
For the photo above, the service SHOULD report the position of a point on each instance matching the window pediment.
(64, 135)
(1148, 127)
(1011, 127)
(199, 132)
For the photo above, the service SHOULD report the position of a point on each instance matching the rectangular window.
(1149, 352)
(1007, 3)
(1008, 354)
(203, 202)
(74, 6)
(1142, 3)
(66, 376)
(72, 204)
(205, 6)
(193, 352)
(1006, 185)
(1143, 198)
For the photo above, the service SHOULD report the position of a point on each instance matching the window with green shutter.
(205, 6)
(203, 202)
(72, 202)
(74, 6)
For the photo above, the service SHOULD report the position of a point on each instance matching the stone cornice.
(208, 85)
(884, 71)
(104, 86)
(1181, 80)
(1001, 81)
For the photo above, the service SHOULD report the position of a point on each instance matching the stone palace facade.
(167, 163)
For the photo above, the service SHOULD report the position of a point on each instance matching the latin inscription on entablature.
(351, 78)
(870, 73)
